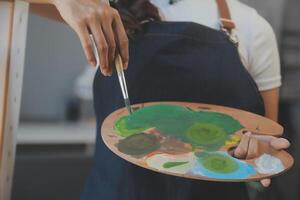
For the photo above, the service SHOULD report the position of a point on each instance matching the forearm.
(271, 101)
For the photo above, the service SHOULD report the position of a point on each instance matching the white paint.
(157, 161)
(267, 164)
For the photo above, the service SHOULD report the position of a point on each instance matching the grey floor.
(50, 174)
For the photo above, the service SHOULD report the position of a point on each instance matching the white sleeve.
(264, 62)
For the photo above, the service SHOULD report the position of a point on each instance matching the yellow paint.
(233, 141)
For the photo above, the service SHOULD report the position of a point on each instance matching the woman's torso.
(170, 62)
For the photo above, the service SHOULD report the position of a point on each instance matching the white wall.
(53, 59)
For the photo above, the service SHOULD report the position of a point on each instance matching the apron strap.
(225, 17)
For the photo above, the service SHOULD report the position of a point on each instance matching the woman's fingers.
(264, 138)
(103, 22)
(242, 149)
(110, 39)
(253, 148)
(266, 182)
(280, 143)
(86, 43)
(101, 45)
(109, 33)
(121, 38)
(274, 142)
(248, 147)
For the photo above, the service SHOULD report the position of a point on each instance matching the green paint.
(138, 144)
(169, 165)
(206, 135)
(216, 162)
(181, 123)
(122, 130)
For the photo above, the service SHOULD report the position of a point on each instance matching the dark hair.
(134, 12)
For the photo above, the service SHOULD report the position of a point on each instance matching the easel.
(13, 28)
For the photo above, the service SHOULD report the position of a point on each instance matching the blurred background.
(57, 129)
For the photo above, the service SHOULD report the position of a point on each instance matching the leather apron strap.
(225, 17)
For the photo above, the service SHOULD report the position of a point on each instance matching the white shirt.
(257, 42)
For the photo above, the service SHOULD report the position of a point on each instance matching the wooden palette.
(192, 140)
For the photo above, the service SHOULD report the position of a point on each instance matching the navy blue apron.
(170, 61)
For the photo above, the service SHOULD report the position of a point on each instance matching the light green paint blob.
(218, 162)
(206, 135)
(138, 144)
(181, 123)
(122, 130)
(169, 165)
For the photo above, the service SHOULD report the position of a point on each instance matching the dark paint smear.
(138, 144)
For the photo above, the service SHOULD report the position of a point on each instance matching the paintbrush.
(120, 73)
(122, 81)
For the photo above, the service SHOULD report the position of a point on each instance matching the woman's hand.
(103, 22)
(249, 148)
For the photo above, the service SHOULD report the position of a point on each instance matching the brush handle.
(121, 76)
(122, 81)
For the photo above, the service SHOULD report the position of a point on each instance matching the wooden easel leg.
(13, 28)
